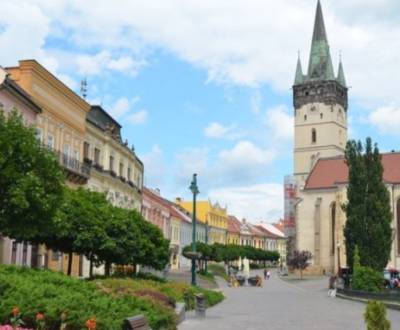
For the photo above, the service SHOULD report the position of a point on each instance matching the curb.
(388, 304)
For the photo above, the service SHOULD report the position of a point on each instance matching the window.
(50, 141)
(97, 156)
(129, 173)
(39, 134)
(313, 135)
(321, 115)
(86, 150)
(66, 149)
(121, 169)
(305, 117)
(111, 163)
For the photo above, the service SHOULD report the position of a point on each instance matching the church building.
(320, 171)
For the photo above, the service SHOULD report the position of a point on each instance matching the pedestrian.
(265, 273)
(268, 274)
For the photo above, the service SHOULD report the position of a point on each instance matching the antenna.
(84, 88)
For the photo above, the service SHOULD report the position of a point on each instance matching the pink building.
(12, 97)
(156, 210)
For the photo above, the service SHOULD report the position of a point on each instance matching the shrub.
(375, 316)
(218, 270)
(53, 293)
(367, 279)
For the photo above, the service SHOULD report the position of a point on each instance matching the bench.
(138, 322)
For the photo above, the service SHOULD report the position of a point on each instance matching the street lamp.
(206, 241)
(194, 189)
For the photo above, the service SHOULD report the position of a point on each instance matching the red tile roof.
(233, 224)
(266, 232)
(330, 172)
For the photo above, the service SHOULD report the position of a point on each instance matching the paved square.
(282, 305)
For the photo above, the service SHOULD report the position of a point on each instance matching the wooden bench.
(138, 322)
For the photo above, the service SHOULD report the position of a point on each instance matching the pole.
(195, 191)
(206, 263)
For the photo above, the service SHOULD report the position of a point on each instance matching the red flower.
(91, 324)
(39, 317)
(15, 311)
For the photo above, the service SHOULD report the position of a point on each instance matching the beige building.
(116, 169)
(61, 127)
(320, 101)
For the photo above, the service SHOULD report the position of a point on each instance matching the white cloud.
(253, 202)
(218, 131)
(154, 167)
(386, 119)
(119, 108)
(138, 118)
(98, 63)
(243, 163)
(280, 123)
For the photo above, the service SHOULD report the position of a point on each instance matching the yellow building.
(213, 215)
(61, 127)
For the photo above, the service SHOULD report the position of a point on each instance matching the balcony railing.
(76, 171)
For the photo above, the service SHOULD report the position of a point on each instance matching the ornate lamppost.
(195, 191)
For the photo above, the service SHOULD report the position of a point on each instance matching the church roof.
(341, 79)
(331, 172)
(320, 64)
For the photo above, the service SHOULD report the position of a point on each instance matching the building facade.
(213, 216)
(115, 168)
(320, 101)
(14, 98)
(61, 126)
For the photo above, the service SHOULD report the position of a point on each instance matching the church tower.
(320, 103)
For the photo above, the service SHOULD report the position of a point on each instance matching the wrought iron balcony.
(76, 171)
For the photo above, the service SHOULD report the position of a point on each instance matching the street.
(282, 305)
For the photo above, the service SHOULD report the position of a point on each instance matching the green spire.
(299, 79)
(320, 66)
(341, 79)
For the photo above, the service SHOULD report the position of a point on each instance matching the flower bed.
(80, 303)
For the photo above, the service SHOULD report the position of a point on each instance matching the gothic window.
(398, 226)
(313, 136)
(333, 225)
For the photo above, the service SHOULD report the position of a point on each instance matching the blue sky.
(205, 86)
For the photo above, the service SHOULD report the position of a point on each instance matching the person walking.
(265, 273)
(268, 274)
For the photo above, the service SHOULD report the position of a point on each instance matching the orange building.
(61, 127)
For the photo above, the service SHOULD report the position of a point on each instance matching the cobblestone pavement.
(282, 305)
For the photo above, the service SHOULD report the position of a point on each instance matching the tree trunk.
(91, 267)
(70, 258)
(107, 269)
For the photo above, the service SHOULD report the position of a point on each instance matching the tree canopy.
(368, 208)
(31, 181)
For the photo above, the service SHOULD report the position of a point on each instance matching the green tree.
(31, 181)
(368, 208)
(79, 226)
(375, 316)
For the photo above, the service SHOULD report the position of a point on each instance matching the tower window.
(313, 135)
(321, 115)
(305, 117)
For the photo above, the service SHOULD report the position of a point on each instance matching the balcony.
(76, 171)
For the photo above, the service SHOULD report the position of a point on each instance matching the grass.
(218, 270)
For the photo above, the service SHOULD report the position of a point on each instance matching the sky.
(205, 86)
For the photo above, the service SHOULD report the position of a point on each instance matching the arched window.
(398, 226)
(305, 117)
(313, 135)
(333, 225)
